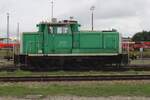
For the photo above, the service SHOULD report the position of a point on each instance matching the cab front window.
(62, 30)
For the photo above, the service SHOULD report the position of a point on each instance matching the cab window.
(62, 30)
(51, 30)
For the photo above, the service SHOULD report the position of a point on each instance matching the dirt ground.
(141, 61)
(5, 63)
(75, 98)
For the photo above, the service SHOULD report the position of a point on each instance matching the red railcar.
(135, 45)
(145, 45)
(128, 45)
(5, 45)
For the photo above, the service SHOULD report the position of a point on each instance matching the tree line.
(141, 36)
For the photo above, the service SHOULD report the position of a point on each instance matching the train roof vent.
(113, 30)
(54, 20)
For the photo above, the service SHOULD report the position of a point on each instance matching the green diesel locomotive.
(61, 45)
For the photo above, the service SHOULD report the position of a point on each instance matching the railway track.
(111, 68)
(75, 78)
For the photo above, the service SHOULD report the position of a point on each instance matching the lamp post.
(92, 17)
(18, 26)
(7, 28)
(52, 3)
(18, 37)
(8, 56)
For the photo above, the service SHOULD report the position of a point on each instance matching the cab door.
(63, 40)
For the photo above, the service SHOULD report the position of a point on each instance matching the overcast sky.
(127, 16)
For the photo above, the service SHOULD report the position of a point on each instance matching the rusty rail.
(74, 78)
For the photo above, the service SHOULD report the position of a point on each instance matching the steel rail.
(111, 68)
(75, 78)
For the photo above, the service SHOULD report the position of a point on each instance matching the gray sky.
(127, 16)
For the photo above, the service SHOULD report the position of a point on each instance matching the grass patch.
(3, 53)
(20, 73)
(146, 53)
(77, 90)
(140, 62)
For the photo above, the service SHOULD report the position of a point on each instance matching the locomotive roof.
(60, 23)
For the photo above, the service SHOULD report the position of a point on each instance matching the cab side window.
(51, 30)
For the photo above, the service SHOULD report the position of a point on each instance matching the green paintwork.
(97, 42)
(91, 41)
(63, 41)
(48, 41)
(32, 43)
